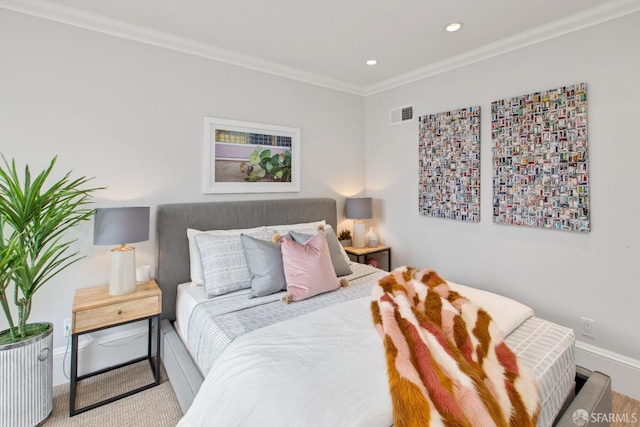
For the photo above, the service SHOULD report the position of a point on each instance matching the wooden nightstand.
(366, 251)
(94, 309)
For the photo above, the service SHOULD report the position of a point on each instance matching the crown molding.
(59, 13)
(91, 21)
(610, 10)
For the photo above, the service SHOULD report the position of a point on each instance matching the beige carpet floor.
(155, 407)
(158, 406)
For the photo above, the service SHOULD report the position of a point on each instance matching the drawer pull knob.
(119, 312)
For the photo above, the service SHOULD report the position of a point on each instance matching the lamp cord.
(64, 360)
(118, 344)
(66, 351)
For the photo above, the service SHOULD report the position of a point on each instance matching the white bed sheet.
(189, 296)
(328, 368)
(187, 299)
(315, 370)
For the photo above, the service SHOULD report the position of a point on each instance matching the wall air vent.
(401, 115)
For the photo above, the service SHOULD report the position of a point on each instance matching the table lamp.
(113, 226)
(358, 208)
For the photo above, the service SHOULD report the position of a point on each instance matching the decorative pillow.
(340, 247)
(264, 259)
(340, 265)
(307, 267)
(224, 265)
(195, 261)
(304, 227)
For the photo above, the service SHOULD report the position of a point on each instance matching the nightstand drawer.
(99, 317)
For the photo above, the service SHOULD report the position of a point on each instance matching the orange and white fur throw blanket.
(446, 361)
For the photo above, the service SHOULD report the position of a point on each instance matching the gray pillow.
(264, 259)
(335, 250)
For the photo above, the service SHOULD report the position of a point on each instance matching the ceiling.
(332, 39)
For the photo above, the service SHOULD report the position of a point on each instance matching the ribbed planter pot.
(26, 381)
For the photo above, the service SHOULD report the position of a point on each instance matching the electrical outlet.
(588, 327)
(67, 327)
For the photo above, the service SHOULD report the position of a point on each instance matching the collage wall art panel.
(540, 159)
(449, 161)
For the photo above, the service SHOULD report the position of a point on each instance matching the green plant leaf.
(254, 158)
(287, 159)
(36, 219)
(265, 154)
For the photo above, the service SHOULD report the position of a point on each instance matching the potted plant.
(345, 237)
(33, 222)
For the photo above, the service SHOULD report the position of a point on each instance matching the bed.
(341, 378)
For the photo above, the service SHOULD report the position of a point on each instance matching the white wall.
(131, 115)
(562, 275)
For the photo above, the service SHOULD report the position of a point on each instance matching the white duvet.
(325, 368)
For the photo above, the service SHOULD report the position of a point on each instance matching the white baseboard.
(108, 348)
(624, 371)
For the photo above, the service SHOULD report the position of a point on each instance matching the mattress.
(544, 347)
(189, 296)
(547, 349)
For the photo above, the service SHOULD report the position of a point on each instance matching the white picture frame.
(244, 157)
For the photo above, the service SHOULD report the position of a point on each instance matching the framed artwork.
(540, 159)
(449, 162)
(242, 157)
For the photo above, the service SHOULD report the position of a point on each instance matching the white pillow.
(304, 227)
(195, 261)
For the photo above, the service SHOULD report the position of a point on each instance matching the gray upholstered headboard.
(172, 221)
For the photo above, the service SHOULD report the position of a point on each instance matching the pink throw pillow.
(308, 270)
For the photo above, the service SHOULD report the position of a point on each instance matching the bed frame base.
(182, 372)
(592, 394)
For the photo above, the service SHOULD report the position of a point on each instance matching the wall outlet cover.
(67, 327)
(588, 326)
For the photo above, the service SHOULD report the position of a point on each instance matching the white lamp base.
(359, 234)
(123, 270)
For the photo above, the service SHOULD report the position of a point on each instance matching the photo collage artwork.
(449, 158)
(540, 160)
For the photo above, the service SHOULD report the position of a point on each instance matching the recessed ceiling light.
(454, 26)
(372, 62)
